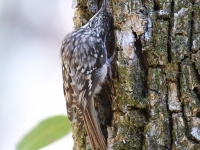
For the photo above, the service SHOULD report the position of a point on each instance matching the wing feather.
(80, 60)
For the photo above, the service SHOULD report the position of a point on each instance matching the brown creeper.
(84, 69)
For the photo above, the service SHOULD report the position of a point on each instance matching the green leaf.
(44, 133)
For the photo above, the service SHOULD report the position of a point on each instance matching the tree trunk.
(154, 100)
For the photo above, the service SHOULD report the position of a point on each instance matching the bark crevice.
(169, 43)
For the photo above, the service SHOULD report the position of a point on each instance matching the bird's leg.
(109, 65)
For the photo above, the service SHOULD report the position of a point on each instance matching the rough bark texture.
(154, 101)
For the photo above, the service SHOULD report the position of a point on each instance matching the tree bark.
(154, 101)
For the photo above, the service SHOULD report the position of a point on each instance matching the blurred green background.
(30, 71)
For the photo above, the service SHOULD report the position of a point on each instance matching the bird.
(85, 65)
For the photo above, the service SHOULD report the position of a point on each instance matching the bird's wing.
(82, 54)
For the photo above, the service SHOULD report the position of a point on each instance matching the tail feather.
(96, 137)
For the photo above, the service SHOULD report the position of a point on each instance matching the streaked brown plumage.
(84, 69)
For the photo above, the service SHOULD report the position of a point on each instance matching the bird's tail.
(94, 132)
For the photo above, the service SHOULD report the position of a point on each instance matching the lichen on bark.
(154, 100)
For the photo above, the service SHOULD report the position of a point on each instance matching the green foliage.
(45, 132)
